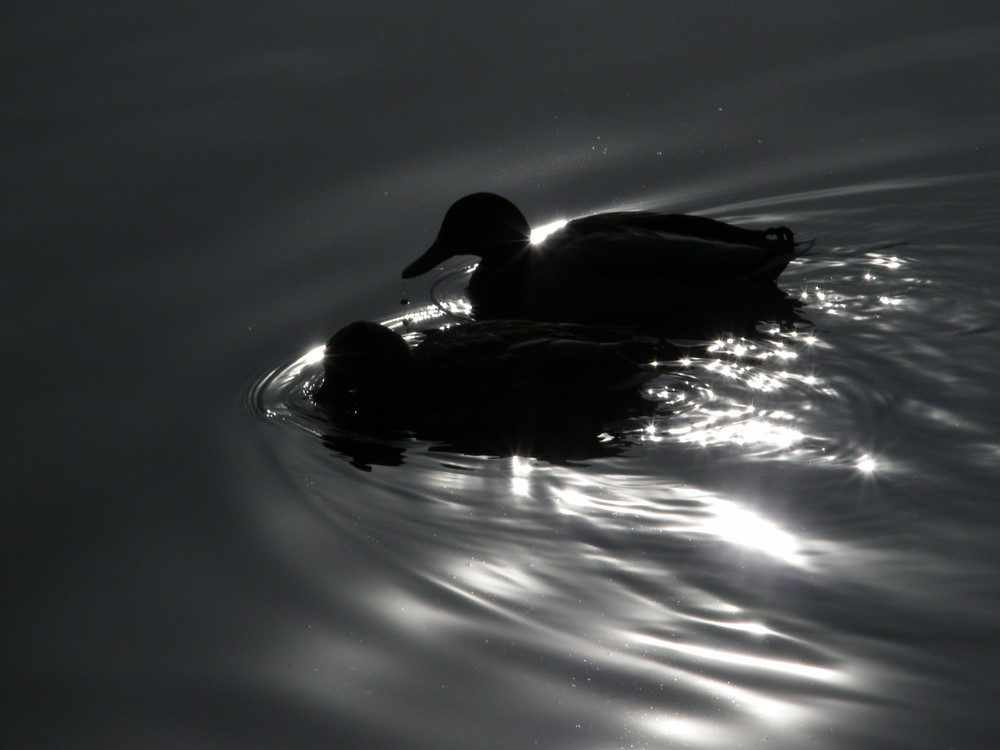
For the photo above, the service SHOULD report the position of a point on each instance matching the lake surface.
(797, 550)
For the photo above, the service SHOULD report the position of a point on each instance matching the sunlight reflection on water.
(538, 234)
(797, 550)
(639, 572)
(654, 621)
(646, 636)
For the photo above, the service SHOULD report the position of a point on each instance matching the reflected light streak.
(294, 370)
(733, 658)
(520, 467)
(416, 316)
(520, 486)
(313, 355)
(440, 312)
(713, 734)
(520, 470)
(575, 499)
(688, 730)
(774, 711)
(808, 339)
(540, 233)
(762, 381)
(891, 262)
(410, 611)
(743, 349)
(755, 628)
(746, 626)
(782, 353)
(460, 307)
(740, 526)
(890, 301)
(744, 427)
(829, 302)
(494, 585)
(701, 514)
(866, 464)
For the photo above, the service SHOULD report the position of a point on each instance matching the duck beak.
(435, 255)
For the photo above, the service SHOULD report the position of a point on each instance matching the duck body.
(611, 268)
(498, 387)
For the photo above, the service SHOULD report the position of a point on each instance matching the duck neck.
(495, 286)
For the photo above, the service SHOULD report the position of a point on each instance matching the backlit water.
(797, 551)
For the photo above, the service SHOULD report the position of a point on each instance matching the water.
(799, 554)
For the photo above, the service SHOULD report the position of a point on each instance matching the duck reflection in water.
(547, 390)
(681, 275)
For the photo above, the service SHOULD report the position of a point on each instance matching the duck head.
(481, 224)
(364, 356)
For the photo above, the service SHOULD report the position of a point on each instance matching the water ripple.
(748, 564)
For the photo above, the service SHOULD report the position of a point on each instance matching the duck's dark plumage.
(626, 267)
(501, 387)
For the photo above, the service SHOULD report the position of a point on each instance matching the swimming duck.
(624, 267)
(497, 387)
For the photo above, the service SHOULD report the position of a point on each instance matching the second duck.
(626, 267)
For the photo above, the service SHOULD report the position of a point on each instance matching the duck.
(497, 387)
(621, 267)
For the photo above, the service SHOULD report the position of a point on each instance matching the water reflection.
(867, 465)
(743, 392)
(636, 576)
(600, 580)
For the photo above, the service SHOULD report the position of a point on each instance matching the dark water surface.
(798, 551)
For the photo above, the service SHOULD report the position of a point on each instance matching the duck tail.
(784, 239)
(803, 247)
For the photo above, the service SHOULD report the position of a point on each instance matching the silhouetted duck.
(497, 387)
(632, 267)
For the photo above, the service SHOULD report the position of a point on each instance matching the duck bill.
(435, 255)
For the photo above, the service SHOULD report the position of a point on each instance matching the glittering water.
(768, 558)
(796, 550)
